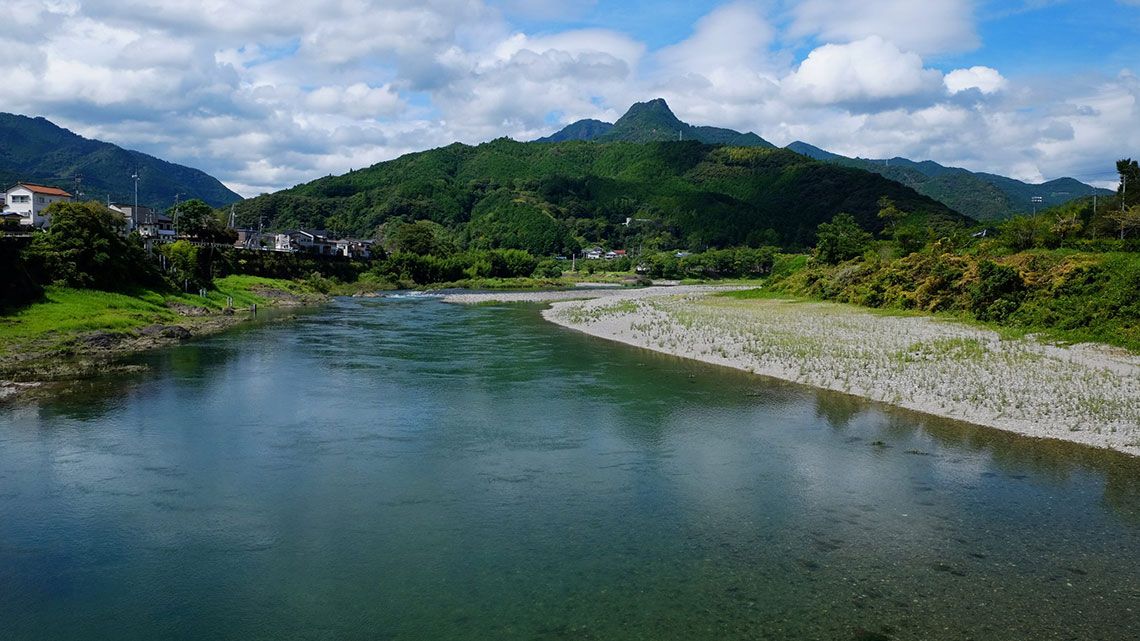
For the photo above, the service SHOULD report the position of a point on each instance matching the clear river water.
(407, 469)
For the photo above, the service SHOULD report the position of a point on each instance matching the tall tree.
(1127, 220)
(1129, 189)
(841, 239)
(196, 219)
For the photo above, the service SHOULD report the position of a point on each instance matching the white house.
(315, 242)
(30, 201)
(132, 215)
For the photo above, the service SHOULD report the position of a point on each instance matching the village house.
(145, 220)
(318, 242)
(132, 216)
(248, 239)
(594, 253)
(30, 200)
(157, 226)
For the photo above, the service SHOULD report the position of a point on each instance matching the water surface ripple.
(405, 469)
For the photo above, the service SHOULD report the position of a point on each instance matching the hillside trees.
(1129, 190)
(84, 247)
(1127, 221)
(197, 220)
(841, 239)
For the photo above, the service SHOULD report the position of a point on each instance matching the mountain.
(37, 151)
(653, 121)
(587, 129)
(553, 197)
(980, 195)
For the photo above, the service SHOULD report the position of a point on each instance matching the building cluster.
(322, 244)
(25, 205)
(597, 253)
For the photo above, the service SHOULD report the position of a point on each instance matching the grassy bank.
(71, 322)
(1065, 296)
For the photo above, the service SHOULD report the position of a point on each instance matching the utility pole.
(176, 197)
(135, 209)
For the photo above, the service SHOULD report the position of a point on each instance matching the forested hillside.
(979, 195)
(555, 197)
(35, 150)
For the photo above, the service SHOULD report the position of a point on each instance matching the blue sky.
(265, 94)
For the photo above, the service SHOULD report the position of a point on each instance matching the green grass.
(65, 313)
(1066, 296)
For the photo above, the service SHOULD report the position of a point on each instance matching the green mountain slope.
(587, 129)
(653, 121)
(980, 195)
(551, 197)
(35, 150)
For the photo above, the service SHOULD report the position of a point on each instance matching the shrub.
(998, 292)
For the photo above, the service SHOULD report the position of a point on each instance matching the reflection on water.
(406, 469)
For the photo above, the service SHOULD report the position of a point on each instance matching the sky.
(266, 94)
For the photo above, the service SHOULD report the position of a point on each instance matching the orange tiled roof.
(47, 191)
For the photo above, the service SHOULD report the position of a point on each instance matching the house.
(300, 240)
(248, 239)
(30, 200)
(157, 226)
(134, 216)
(318, 242)
(352, 248)
(594, 253)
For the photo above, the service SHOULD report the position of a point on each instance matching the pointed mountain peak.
(657, 110)
(652, 121)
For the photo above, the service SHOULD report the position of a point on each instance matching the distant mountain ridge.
(38, 151)
(653, 121)
(979, 195)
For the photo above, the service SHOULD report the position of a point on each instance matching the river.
(407, 469)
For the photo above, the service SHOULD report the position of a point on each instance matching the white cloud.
(867, 70)
(357, 100)
(268, 93)
(732, 36)
(925, 27)
(985, 79)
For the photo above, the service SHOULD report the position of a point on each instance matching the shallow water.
(406, 469)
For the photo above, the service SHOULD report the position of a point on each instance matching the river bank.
(1082, 393)
(72, 334)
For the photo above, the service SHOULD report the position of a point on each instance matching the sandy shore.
(1086, 394)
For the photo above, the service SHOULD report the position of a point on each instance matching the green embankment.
(65, 313)
(1063, 295)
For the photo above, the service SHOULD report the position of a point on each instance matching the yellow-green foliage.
(1069, 295)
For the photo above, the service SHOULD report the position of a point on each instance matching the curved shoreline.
(49, 365)
(1087, 394)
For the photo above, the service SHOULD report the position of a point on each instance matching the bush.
(998, 292)
(548, 269)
